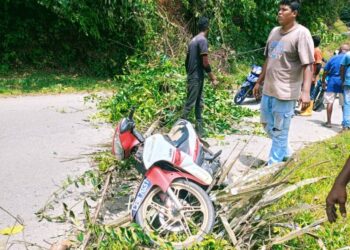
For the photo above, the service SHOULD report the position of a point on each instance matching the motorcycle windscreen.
(184, 137)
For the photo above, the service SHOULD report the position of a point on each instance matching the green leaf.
(80, 237)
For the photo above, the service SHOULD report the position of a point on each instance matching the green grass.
(328, 49)
(47, 82)
(336, 151)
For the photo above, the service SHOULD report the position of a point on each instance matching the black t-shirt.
(194, 66)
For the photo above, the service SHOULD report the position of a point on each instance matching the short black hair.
(203, 23)
(293, 4)
(317, 40)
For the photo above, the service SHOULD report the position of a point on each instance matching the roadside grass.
(328, 49)
(41, 82)
(334, 150)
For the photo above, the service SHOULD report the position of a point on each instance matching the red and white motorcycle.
(170, 201)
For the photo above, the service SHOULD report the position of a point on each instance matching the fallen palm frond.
(298, 232)
(241, 201)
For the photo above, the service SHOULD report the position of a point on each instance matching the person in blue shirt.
(345, 79)
(333, 86)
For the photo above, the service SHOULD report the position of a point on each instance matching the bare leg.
(329, 113)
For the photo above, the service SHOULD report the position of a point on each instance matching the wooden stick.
(229, 231)
(151, 129)
(98, 208)
(122, 220)
(230, 165)
(298, 232)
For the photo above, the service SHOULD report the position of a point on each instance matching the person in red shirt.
(316, 71)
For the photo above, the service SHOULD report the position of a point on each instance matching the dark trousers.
(194, 98)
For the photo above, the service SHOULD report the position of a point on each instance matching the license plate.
(140, 196)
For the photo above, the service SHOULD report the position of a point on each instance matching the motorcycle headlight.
(117, 148)
(257, 70)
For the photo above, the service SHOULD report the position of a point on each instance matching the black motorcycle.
(246, 90)
(317, 96)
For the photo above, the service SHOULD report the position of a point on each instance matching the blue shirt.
(346, 63)
(333, 69)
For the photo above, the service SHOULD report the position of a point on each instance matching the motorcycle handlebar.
(138, 135)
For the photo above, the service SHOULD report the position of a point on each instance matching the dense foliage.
(96, 37)
(159, 91)
(93, 37)
(245, 24)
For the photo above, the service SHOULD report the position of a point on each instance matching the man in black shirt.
(196, 63)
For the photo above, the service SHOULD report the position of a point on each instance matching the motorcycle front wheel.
(240, 96)
(182, 228)
(318, 102)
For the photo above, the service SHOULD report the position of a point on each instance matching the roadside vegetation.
(322, 159)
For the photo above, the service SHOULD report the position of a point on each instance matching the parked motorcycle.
(246, 90)
(317, 96)
(170, 201)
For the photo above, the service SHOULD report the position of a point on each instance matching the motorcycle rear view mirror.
(131, 114)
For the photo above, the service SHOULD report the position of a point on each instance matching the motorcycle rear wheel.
(158, 215)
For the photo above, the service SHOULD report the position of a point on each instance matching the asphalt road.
(37, 135)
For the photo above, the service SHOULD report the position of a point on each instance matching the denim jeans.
(346, 111)
(276, 116)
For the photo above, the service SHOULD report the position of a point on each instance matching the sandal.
(327, 125)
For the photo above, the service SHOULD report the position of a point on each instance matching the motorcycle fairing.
(161, 178)
(158, 149)
(128, 141)
(184, 137)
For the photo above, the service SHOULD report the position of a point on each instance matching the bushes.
(96, 37)
(75, 36)
(245, 24)
(159, 90)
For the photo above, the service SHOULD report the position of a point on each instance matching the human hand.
(337, 195)
(256, 90)
(213, 80)
(304, 100)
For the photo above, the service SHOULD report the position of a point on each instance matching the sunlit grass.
(323, 159)
(44, 82)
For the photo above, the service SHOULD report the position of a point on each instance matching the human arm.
(342, 75)
(207, 68)
(338, 194)
(317, 71)
(204, 51)
(305, 92)
(324, 75)
(259, 82)
(186, 62)
(343, 68)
